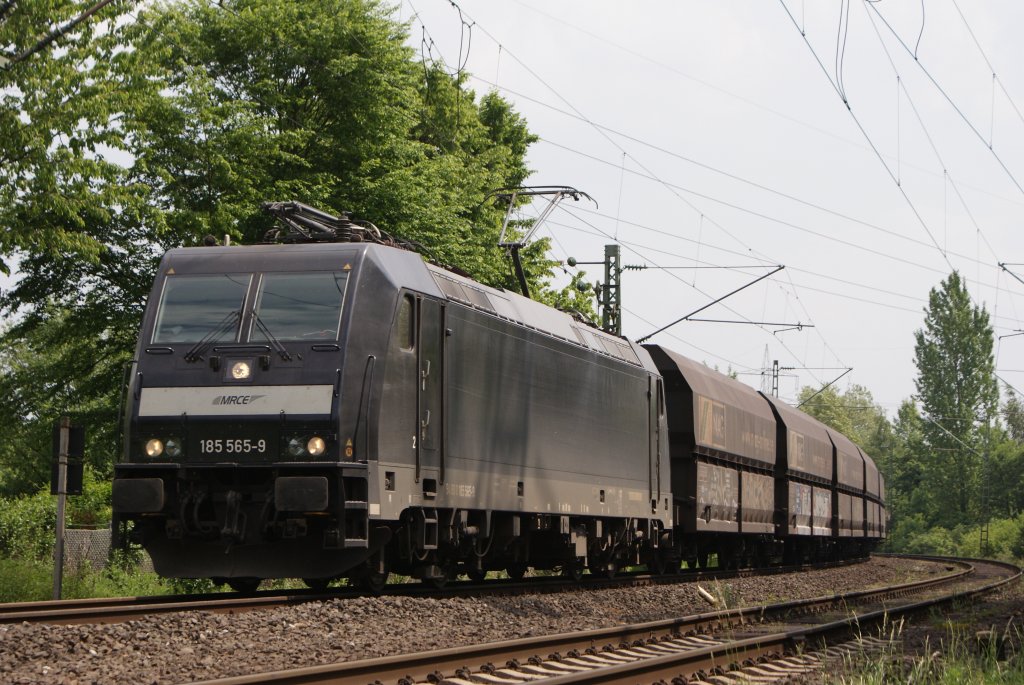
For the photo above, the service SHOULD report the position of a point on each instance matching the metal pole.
(62, 486)
(611, 295)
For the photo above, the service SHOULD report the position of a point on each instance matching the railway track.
(118, 609)
(762, 643)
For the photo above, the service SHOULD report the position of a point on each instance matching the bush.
(913, 536)
(25, 580)
(31, 580)
(28, 523)
(27, 526)
(112, 582)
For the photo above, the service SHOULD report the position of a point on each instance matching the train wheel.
(318, 584)
(244, 585)
(477, 575)
(611, 569)
(573, 570)
(374, 581)
(516, 571)
(437, 582)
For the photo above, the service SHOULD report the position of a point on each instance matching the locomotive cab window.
(299, 306)
(404, 329)
(194, 306)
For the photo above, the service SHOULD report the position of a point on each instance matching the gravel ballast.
(193, 646)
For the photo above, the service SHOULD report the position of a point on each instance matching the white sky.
(647, 106)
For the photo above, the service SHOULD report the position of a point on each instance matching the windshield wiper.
(274, 342)
(196, 353)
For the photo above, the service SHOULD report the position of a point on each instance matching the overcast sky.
(710, 135)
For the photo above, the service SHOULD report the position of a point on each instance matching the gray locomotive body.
(344, 409)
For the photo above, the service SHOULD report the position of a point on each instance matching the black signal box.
(76, 454)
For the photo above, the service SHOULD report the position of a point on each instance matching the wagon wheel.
(438, 582)
(477, 575)
(374, 581)
(516, 570)
(246, 586)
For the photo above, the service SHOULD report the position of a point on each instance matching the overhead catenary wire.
(675, 70)
(988, 62)
(878, 154)
(934, 243)
(714, 87)
(931, 142)
(723, 173)
(678, 278)
(714, 302)
(848, 296)
(948, 99)
(782, 222)
(632, 313)
(617, 146)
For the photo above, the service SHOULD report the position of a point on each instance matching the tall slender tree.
(957, 392)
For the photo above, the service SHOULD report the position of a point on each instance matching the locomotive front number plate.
(236, 442)
(220, 446)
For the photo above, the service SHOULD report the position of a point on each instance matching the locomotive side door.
(430, 388)
(655, 412)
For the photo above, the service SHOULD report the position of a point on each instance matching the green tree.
(1013, 415)
(853, 413)
(245, 101)
(60, 116)
(904, 465)
(125, 138)
(49, 370)
(957, 392)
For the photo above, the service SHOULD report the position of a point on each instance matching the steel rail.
(728, 656)
(118, 609)
(594, 645)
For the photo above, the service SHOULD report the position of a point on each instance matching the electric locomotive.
(335, 406)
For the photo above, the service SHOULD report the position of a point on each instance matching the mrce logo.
(236, 399)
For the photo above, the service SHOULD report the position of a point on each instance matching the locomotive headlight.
(296, 448)
(316, 446)
(241, 370)
(173, 448)
(154, 448)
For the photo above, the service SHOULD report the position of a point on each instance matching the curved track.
(662, 650)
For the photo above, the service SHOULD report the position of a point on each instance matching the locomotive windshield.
(193, 306)
(300, 306)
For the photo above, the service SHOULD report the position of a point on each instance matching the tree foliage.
(853, 413)
(957, 393)
(61, 114)
(148, 127)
